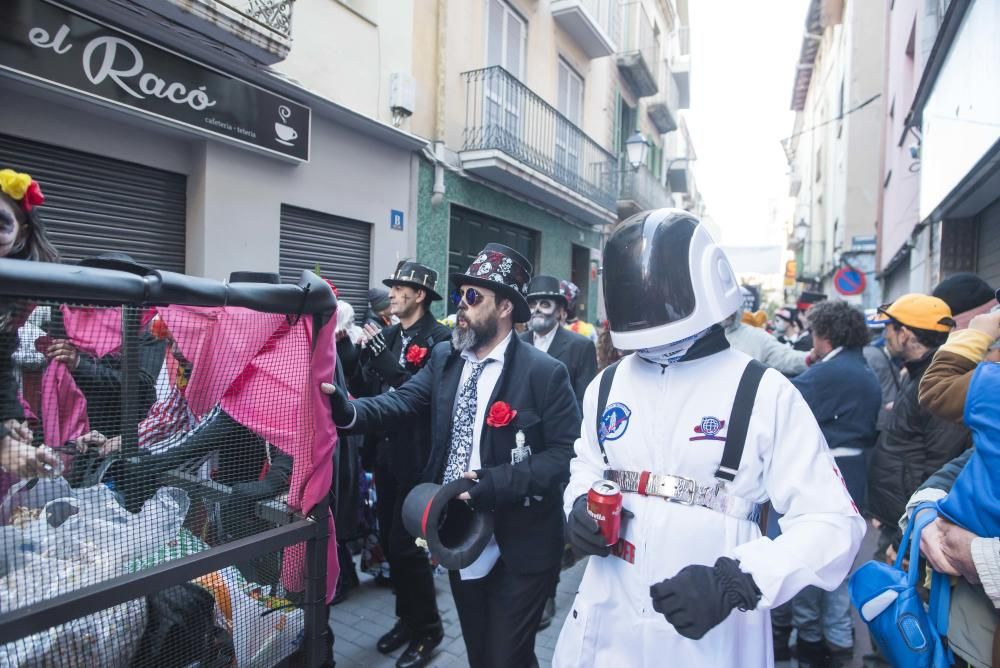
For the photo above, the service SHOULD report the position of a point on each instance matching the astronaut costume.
(664, 429)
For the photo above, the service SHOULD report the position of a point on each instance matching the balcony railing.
(640, 49)
(503, 114)
(641, 190)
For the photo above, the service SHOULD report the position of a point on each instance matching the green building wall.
(555, 234)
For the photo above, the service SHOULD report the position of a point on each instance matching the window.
(505, 38)
(569, 102)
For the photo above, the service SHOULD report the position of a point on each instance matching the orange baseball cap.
(919, 312)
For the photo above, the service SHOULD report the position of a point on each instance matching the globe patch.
(708, 429)
(614, 422)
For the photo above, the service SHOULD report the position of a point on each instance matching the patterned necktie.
(462, 426)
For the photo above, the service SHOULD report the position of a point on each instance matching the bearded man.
(484, 393)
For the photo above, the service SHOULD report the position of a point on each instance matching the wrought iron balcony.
(640, 191)
(260, 30)
(589, 23)
(640, 50)
(504, 116)
(663, 108)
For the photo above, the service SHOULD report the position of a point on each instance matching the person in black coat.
(389, 358)
(480, 392)
(548, 308)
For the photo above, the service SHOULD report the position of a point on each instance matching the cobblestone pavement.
(367, 613)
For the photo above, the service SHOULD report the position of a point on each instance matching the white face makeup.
(543, 315)
(9, 228)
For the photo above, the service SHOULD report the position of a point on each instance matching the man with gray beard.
(503, 414)
(548, 308)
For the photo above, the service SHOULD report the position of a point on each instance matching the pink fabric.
(311, 480)
(94, 331)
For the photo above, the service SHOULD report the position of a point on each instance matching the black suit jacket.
(577, 353)
(528, 531)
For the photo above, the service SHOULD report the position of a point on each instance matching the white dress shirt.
(488, 379)
(543, 341)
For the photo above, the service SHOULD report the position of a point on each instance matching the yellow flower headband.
(21, 187)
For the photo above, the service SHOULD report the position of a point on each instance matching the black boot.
(419, 652)
(781, 635)
(398, 636)
(813, 654)
(841, 657)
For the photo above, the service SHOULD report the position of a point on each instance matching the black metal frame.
(311, 296)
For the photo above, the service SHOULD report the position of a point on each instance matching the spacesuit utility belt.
(686, 491)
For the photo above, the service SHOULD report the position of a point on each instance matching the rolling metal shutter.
(340, 246)
(95, 204)
(988, 260)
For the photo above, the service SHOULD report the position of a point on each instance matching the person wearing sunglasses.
(697, 436)
(502, 413)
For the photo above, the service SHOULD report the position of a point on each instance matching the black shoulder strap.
(604, 390)
(739, 421)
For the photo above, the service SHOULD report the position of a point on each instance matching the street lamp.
(635, 148)
(801, 230)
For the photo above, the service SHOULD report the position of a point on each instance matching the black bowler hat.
(415, 275)
(117, 261)
(455, 533)
(501, 269)
(546, 287)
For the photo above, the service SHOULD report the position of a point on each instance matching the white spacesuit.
(664, 429)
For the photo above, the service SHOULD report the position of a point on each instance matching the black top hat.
(415, 275)
(254, 277)
(546, 287)
(504, 270)
(455, 533)
(118, 261)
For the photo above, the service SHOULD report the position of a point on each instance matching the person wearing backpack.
(697, 436)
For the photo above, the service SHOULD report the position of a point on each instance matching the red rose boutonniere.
(415, 355)
(501, 414)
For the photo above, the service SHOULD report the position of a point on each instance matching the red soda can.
(604, 504)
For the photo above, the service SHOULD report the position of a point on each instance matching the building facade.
(833, 150)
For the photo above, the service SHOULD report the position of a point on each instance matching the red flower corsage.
(33, 196)
(415, 355)
(501, 414)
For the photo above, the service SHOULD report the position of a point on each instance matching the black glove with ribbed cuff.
(582, 532)
(699, 598)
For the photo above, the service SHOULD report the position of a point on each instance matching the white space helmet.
(665, 279)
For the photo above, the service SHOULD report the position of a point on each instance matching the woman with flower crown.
(22, 237)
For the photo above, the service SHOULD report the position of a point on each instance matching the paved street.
(368, 613)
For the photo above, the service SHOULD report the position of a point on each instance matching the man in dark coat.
(481, 391)
(548, 308)
(390, 358)
(915, 443)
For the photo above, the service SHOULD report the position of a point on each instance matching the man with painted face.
(548, 308)
(483, 394)
(691, 579)
(390, 357)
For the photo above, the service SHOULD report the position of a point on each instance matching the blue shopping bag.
(908, 634)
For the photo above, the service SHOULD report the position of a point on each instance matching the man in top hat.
(390, 358)
(548, 308)
(484, 393)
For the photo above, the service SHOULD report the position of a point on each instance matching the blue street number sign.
(396, 219)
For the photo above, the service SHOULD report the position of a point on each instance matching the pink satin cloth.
(96, 332)
(265, 373)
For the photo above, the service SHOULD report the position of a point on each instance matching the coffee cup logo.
(285, 134)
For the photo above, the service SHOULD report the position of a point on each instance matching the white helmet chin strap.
(672, 352)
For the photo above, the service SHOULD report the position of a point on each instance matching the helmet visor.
(647, 272)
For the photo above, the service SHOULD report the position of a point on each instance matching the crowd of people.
(750, 450)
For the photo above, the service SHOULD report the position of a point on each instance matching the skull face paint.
(544, 315)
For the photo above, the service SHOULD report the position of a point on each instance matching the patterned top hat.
(415, 275)
(504, 270)
(546, 287)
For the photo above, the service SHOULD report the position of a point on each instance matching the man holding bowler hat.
(502, 413)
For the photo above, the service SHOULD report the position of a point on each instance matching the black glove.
(483, 495)
(340, 408)
(699, 598)
(582, 532)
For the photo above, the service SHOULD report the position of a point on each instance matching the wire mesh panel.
(154, 495)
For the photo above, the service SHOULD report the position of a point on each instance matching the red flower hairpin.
(501, 414)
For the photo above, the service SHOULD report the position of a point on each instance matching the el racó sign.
(46, 42)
